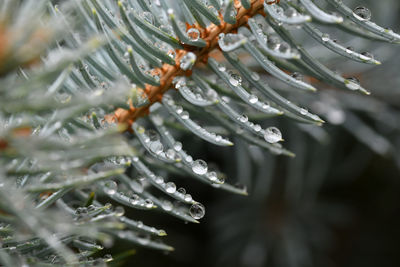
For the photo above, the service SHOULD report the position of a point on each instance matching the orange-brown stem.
(168, 72)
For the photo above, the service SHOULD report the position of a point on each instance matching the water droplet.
(243, 118)
(170, 153)
(253, 99)
(179, 82)
(149, 203)
(290, 12)
(170, 187)
(188, 61)
(189, 159)
(298, 76)
(110, 187)
(221, 180)
(278, 10)
(272, 135)
(152, 136)
(229, 42)
(255, 76)
(197, 211)
(234, 78)
(179, 109)
(353, 83)
(221, 67)
(325, 37)
(362, 13)
(199, 167)
(162, 232)
(178, 146)
(171, 53)
(158, 120)
(133, 199)
(185, 115)
(212, 176)
(156, 147)
(368, 55)
(159, 179)
(349, 50)
(181, 190)
(273, 42)
(193, 34)
(167, 205)
(303, 111)
(188, 198)
(119, 211)
(284, 47)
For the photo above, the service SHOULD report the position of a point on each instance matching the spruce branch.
(169, 72)
(76, 84)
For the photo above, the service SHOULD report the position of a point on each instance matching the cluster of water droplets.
(244, 122)
(365, 56)
(289, 12)
(183, 114)
(170, 188)
(140, 225)
(190, 91)
(196, 210)
(161, 16)
(151, 139)
(193, 126)
(272, 43)
(279, 11)
(130, 198)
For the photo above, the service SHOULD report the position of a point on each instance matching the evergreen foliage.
(88, 117)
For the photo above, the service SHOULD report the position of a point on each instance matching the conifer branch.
(168, 72)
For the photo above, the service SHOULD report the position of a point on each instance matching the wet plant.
(95, 96)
